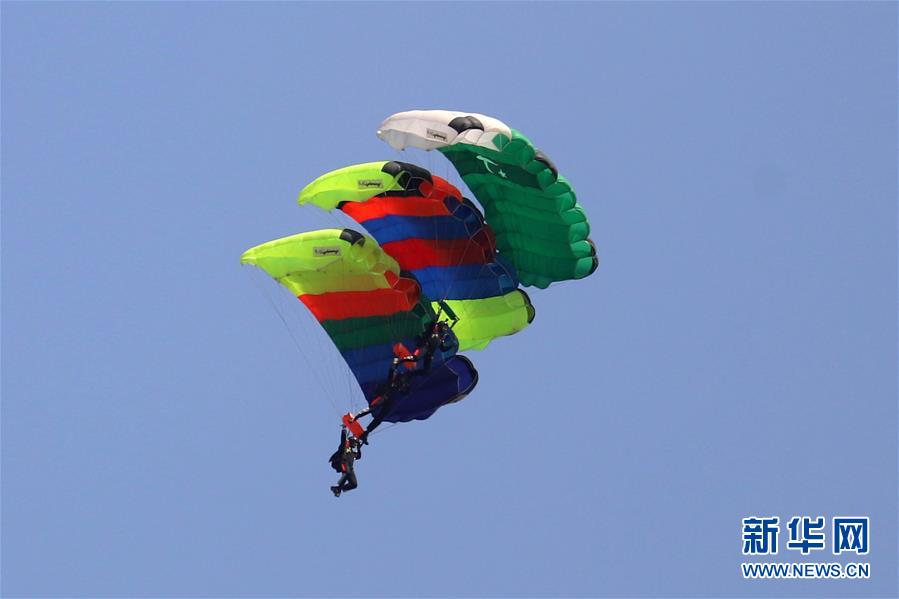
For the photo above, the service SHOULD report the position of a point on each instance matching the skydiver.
(349, 450)
(403, 358)
(384, 402)
(438, 336)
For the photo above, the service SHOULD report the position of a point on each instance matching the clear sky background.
(734, 355)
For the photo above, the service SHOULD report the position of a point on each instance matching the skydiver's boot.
(336, 490)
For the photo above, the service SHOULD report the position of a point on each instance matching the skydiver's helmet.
(442, 329)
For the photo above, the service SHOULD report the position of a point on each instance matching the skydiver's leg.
(386, 406)
(371, 426)
(375, 422)
(350, 481)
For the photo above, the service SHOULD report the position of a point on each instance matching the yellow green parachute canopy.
(367, 306)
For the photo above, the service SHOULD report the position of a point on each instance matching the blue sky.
(734, 355)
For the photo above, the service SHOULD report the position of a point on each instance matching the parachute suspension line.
(471, 242)
(296, 342)
(326, 362)
(317, 349)
(436, 232)
(384, 427)
(301, 325)
(341, 220)
(486, 225)
(455, 178)
(344, 381)
(430, 158)
(345, 376)
(398, 154)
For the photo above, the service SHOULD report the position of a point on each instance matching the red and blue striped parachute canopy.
(437, 236)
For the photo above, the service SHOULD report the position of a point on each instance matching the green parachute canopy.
(539, 225)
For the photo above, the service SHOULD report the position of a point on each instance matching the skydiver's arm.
(373, 403)
(411, 358)
(335, 457)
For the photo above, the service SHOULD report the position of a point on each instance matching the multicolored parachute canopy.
(533, 210)
(436, 235)
(359, 295)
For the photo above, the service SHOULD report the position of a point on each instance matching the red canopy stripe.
(338, 305)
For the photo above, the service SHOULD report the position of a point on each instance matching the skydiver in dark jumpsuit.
(398, 382)
(441, 339)
(342, 460)
(437, 337)
(384, 402)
